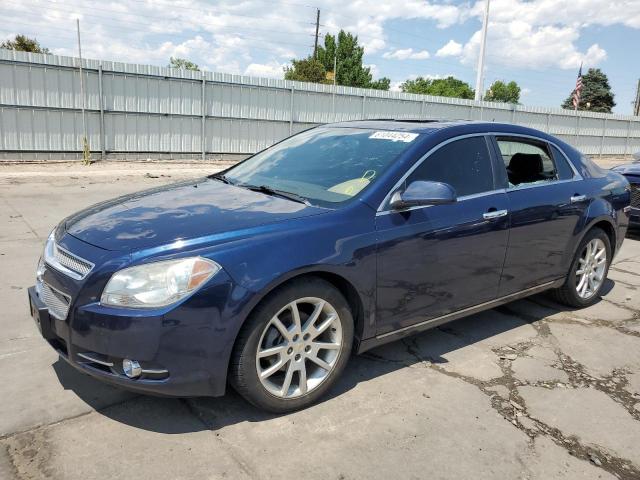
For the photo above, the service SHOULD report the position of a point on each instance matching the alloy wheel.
(299, 347)
(591, 268)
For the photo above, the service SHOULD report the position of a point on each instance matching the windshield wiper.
(222, 178)
(272, 191)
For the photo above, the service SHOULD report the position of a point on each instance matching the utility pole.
(335, 66)
(636, 104)
(483, 44)
(315, 45)
(85, 143)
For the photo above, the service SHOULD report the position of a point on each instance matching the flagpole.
(575, 107)
(483, 46)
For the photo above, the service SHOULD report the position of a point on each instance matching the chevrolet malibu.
(343, 237)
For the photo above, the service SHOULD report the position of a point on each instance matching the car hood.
(186, 210)
(628, 169)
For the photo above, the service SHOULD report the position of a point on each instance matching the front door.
(437, 259)
(546, 206)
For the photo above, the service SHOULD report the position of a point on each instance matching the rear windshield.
(590, 169)
(327, 165)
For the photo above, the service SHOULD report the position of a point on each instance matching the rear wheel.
(588, 271)
(293, 347)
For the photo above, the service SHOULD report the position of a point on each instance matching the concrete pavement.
(530, 390)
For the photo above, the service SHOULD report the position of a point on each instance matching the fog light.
(131, 368)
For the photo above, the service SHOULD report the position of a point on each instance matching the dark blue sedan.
(340, 238)
(632, 172)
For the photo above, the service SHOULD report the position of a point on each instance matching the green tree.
(383, 83)
(182, 64)
(441, 87)
(350, 71)
(24, 44)
(306, 70)
(500, 91)
(596, 95)
(347, 55)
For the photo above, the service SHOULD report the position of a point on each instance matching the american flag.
(578, 89)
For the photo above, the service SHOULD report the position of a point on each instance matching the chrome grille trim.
(71, 261)
(57, 302)
(66, 262)
(89, 357)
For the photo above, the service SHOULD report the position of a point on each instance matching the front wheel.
(588, 271)
(293, 347)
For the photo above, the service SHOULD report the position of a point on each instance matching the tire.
(288, 350)
(568, 294)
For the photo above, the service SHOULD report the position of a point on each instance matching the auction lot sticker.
(395, 136)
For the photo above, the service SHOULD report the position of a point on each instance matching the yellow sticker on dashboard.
(394, 136)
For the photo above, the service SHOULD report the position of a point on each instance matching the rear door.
(438, 259)
(546, 204)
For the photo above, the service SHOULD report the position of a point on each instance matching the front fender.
(339, 244)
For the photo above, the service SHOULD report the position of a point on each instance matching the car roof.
(431, 126)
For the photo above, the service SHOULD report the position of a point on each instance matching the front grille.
(57, 302)
(74, 263)
(635, 195)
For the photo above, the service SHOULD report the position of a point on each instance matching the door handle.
(578, 198)
(495, 214)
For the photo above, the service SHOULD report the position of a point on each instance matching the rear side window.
(527, 162)
(562, 165)
(464, 164)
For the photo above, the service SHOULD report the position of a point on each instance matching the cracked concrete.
(527, 391)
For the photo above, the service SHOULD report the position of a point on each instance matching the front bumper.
(183, 351)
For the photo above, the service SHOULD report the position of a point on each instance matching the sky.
(538, 43)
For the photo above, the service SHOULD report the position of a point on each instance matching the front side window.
(526, 162)
(464, 164)
(327, 166)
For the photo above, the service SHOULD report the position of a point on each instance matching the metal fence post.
(604, 131)
(422, 108)
(577, 130)
(101, 104)
(203, 121)
(291, 113)
(548, 123)
(364, 100)
(513, 113)
(333, 104)
(626, 143)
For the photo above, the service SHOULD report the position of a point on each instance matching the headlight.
(158, 284)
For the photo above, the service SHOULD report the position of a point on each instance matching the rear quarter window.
(562, 164)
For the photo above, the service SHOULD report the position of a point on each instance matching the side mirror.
(636, 157)
(421, 193)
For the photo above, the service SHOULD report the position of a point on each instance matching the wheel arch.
(347, 288)
(604, 223)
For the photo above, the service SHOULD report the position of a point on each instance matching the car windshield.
(326, 166)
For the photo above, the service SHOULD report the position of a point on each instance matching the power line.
(147, 16)
(495, 72)
(71, 37)
(118, 27)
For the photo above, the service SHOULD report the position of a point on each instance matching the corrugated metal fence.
(148, 111)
